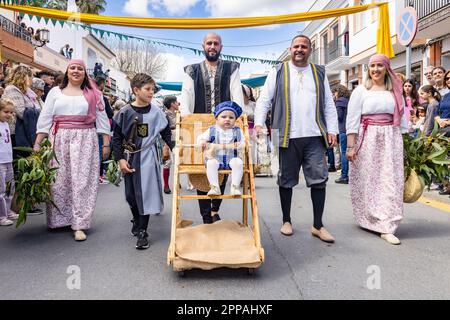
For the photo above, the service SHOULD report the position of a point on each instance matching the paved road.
(34, 261)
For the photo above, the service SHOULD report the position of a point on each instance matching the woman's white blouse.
(58, 103)
(364, 102)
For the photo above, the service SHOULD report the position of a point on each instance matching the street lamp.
(43, 37)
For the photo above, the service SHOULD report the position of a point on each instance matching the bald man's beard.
(211, 58)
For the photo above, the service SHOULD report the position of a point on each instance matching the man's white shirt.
(187, 99)
(303, 103)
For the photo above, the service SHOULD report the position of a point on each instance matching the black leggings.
(206, 205)
(140, 218)
(318, 201)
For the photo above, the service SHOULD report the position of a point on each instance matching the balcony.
(431, 15)
(336, 57)
(425, 8)
(16, 42)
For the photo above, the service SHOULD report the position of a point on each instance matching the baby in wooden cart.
(224, 143)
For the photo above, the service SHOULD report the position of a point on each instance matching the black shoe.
(167, 191)
(215, 218)
(142, 241)
(207, 220)
(444, 192)
(331, 169)
(134, 228)
(341, 180)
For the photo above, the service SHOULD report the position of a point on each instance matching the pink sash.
(381, 119)
(71, 122)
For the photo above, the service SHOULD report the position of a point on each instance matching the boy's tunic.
(143, 187)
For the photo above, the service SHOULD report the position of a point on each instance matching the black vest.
(202, 87)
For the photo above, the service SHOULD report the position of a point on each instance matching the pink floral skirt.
(376, 179)
(75, 189)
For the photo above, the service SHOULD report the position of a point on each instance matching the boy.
(171, 104)
(225, 140)
(137, 127)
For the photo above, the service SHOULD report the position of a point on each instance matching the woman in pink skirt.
(72, 116)
(375, 123)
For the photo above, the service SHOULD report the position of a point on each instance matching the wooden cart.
(224, 243)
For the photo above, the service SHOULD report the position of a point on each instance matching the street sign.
(406, 26)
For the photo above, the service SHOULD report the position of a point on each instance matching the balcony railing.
(426, 7)
(336, 49)
(14, 29)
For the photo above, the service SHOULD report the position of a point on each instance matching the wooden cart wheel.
(250, 271)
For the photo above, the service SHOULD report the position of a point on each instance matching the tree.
(52, 4)
(134, 57)
(84, 6)
(91, 6)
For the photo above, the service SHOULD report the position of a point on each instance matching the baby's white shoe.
(214, 191)
(234, 190)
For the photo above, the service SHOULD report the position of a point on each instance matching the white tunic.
(187, 99)
(365, 102)
(57, 103)
(303, 103)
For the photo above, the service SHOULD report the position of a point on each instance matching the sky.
(258, 42)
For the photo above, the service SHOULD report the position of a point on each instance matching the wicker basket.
(413, 188)
(200, 181)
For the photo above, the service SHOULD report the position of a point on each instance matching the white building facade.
(345, 44)
(86, 46)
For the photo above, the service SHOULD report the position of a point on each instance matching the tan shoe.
(322, 234)
(389, 237)
(286, 229)
(79, 235)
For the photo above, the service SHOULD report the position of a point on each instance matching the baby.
(225, 141)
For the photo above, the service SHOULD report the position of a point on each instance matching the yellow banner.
(384, 44)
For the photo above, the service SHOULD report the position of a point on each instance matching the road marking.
(435, 204)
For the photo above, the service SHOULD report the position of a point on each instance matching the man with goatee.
(304, 124)
(205, 85)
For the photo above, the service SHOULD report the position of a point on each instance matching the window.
(335, 29)
(361, 18)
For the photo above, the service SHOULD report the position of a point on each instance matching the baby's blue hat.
(228, 105)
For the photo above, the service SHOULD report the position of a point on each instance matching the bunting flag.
(384, 44)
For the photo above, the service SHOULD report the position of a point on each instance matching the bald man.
(210, 82)
(205, 85)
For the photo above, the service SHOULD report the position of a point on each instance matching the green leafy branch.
(113, 173)
(428, 156)
(34, 176)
